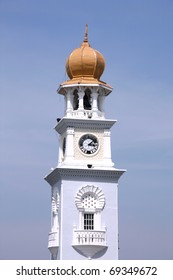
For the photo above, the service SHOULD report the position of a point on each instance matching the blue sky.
(135, 37)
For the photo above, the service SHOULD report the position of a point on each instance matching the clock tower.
(84, 185)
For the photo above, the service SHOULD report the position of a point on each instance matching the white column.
(94, 104)
(60, 150)
(69, 107)
(55, 207)
(65, 104)
(101, 100)
(69, 152)
(97, 221)
(53, 242)
(81, 94)
(107, 147)
(80, 220)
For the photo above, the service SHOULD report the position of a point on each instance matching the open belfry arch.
(84, 184)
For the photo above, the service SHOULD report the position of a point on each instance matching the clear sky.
(136, 39)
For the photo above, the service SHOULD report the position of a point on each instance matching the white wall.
(69, 216)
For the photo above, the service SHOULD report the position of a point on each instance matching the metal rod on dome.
(86, 33)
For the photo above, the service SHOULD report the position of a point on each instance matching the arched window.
(87, 100)
(90, 201)
(75, 100)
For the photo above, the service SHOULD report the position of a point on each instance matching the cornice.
(60, 173)
(83, 123)
(71, 85)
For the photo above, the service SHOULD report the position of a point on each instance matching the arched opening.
(75, 100)
(87, 99)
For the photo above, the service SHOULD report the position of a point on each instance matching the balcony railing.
(89, 237)
(53, 239)
(86, 114)
(89, 242)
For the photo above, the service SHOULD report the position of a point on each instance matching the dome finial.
(86, 33)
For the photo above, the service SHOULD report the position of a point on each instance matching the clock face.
(88, 144)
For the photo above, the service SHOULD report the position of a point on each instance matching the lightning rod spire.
(86, 33)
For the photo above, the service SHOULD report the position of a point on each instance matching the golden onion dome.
(85, 64)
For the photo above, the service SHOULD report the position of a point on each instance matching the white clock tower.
(84, 185)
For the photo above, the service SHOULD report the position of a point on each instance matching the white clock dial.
(88, 144)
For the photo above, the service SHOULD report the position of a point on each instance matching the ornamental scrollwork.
(55, 203)
(95, 191)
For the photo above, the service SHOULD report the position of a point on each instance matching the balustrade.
(86, 114)
(89, 237)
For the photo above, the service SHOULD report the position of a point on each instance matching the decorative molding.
(59, 173)
(107, 133)
(55, 203)
(93, 190)
(89, 243)
(70, 130)
(53, 244)
(104, 89)
(64, 123)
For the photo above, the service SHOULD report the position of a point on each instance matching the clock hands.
(92, 143)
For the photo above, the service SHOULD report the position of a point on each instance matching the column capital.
(70, 130)
(107, 133)
(81, 89)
